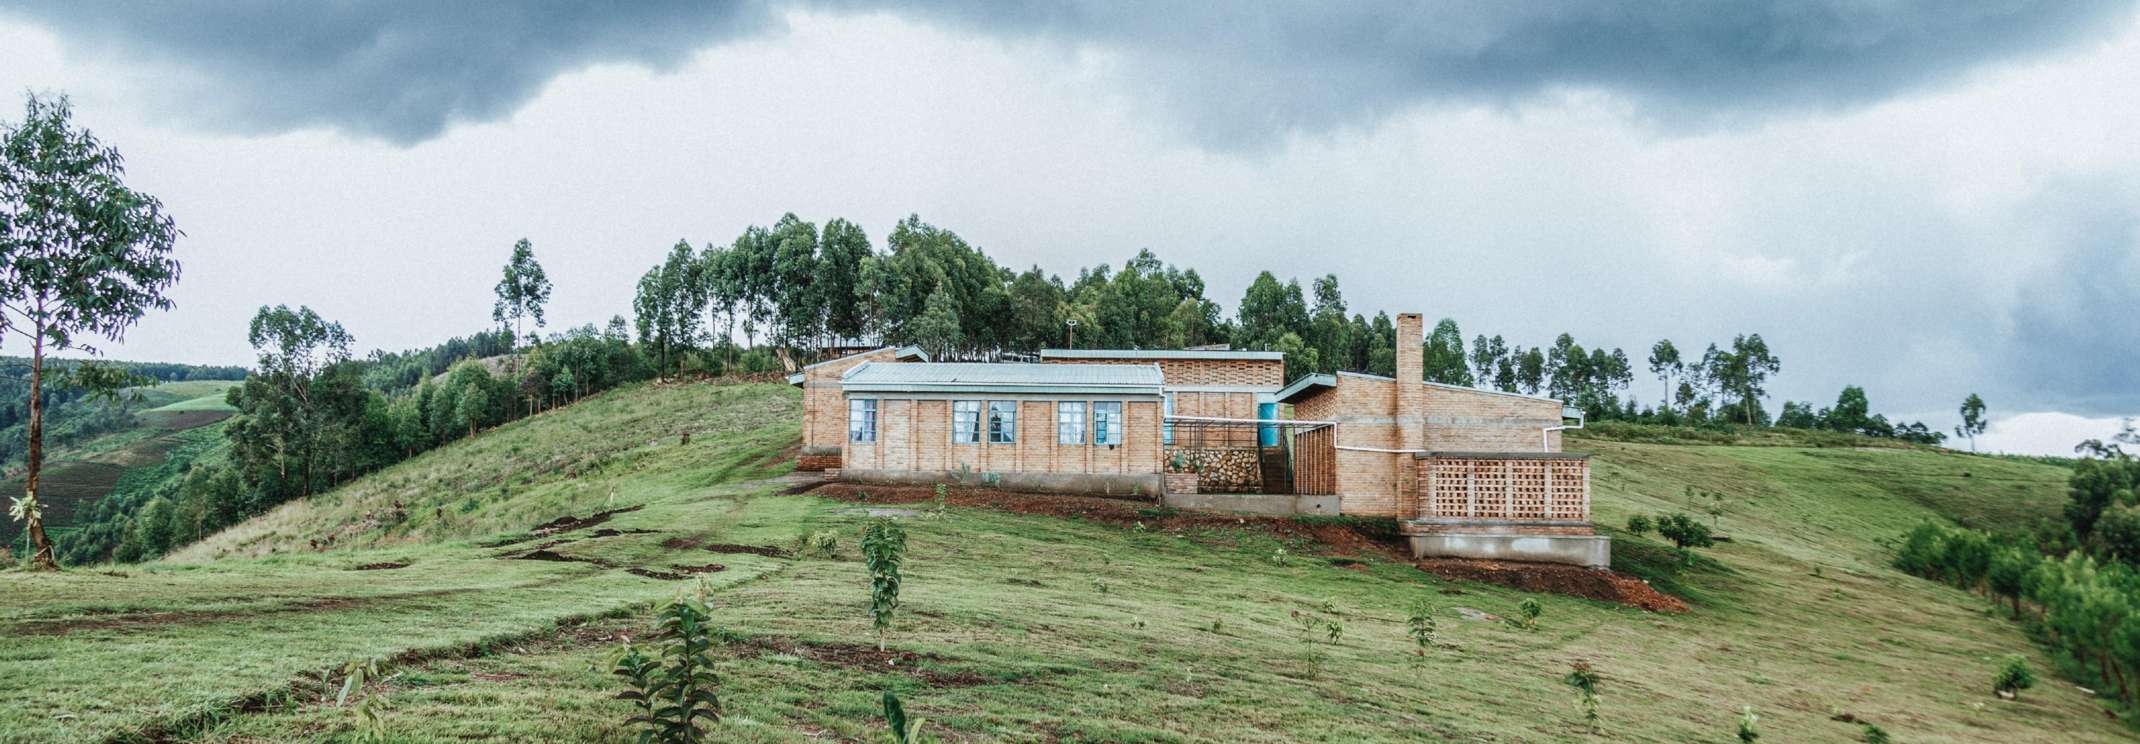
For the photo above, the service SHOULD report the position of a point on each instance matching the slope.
(1016, 626)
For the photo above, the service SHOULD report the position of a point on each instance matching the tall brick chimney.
(1411, 396)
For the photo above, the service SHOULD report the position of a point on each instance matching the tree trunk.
(41, 545)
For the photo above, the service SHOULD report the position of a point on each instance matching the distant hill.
(109, 442)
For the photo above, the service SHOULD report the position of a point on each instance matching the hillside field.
(169, 416)
(1015, 626)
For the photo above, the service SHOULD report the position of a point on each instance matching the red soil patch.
(568, 524)
(381, 566)
(1555, 578)
(856, 656)
(1339, 537)
(764, 550)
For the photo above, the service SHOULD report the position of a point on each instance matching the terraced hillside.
(499, 576)
(170, 416)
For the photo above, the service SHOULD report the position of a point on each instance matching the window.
(862, 420)
(1070, 422)
(1166, 432)
(1002, 421)
(965, 422)
(1107, 422)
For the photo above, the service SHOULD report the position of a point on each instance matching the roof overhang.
(901, 352)
(1213, 354)
(1305, 386)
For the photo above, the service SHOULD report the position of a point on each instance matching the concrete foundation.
(1594, 551)
(1144, 487)
(1275, 505)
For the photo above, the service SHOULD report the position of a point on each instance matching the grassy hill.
(1016, 626)
(169, 417)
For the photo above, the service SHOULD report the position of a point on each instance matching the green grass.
(1012, 635)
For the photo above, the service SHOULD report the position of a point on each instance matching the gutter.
(1545, 436)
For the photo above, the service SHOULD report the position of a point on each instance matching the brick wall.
(824, 407)
(1367, 482)
(1200, 372)
(1463, 420)
(915, 434)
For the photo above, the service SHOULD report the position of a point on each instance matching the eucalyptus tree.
(842, 250)
(670, 298)
(522, 291)
(82, 256)
(1666, 364)
(1972, 420)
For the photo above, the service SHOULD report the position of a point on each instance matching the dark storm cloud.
(2075, 324)
(1235, 73)
(402, 71)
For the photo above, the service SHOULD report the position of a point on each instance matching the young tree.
(81, 255)
(884, 549)
(1972, 420)
(523, 290)
(1665, 364)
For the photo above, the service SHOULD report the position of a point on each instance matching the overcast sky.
(1926, 199)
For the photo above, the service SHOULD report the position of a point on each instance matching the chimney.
(1410, 398)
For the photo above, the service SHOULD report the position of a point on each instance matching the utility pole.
(1073, 331)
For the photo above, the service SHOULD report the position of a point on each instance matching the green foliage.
(1874, 735)
(1973, 422)
(1685, 532)
(818, 544)
(904, 730)
(1749, 725)
(1585, 681)
(676, 689)
(357, 677)
(1639, 524)
(81, 256)
(884, 547)
(1527, 613)
(522, 291)
(2013, 676)
(1420, 625)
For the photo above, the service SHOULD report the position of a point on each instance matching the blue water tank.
(1267, 433)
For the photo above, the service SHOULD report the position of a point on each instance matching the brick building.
(1466, 472)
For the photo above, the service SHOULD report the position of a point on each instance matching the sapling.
(1749, 731)
(1420, 626)
(884, 547)
(1585, 681)
(676, 688)
(2013, 677)
(1527, 613)
(904, 730)
(357, 677)
(1334, 630)
(1875, 735)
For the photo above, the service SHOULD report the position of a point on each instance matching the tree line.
(2074, 582)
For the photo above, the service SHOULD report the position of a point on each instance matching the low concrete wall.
(1145, 486)
(1277, 505)
(1594, 551)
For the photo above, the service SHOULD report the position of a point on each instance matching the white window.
(1166, 432)
(1107, 422)
(862, 420)
(1002, 421)
(965, 422)
(1070, 422)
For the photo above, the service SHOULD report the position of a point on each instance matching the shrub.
(1685, 532)
(819, 544)
(884, 548)
(1585, 681)
(1527, 613)
(1748, 725)
(1874, 735)
(2013, 676)
(676, 688)
(1639, 525)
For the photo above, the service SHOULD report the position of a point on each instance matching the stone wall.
(1218, 469)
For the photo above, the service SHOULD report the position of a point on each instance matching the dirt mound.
(380, 566)
(568, 524)
(1340, 537)
(608, 532)
(681, 572)
(923, 666)
(764, 550)
(1555, 578)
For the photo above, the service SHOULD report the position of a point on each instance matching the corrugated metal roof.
(951, 376)
(1263, 356)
